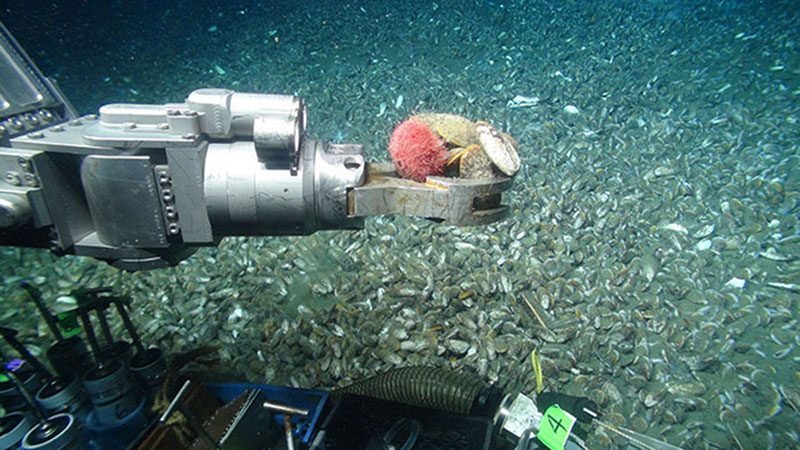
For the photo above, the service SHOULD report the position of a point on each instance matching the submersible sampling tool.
(29, 371)
(103, 397)
(143, 186)
(58, 406)
(464, 398)
(68, 355)
(147, 365)
(108, 385)
(547, 421)
(56, 431)
(54, 393)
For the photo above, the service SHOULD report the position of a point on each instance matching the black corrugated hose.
(429, 387)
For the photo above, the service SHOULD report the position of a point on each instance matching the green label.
(4, 378)
(555, 427)
(68, 323)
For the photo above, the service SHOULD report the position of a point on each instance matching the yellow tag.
(537, 371)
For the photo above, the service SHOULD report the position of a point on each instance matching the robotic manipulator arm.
(143, 186)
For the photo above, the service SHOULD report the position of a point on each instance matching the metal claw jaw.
(452, 201)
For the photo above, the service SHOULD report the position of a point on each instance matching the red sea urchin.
(417, 151)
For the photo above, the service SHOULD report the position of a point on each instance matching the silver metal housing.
(143, 185)
(246, 197)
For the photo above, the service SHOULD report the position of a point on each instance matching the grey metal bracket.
(453, 201)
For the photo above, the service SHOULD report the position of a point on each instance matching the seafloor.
(655, 229)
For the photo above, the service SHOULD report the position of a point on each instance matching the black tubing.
(429, 387)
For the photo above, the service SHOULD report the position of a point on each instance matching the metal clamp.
(453, 201)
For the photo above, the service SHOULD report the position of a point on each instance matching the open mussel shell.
(500, 149)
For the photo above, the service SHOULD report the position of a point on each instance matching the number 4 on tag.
(555, 428)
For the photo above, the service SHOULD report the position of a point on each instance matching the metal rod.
(640, 440)
(48, 317)
(87, 327)
(10, 336)
(285, 409)
(101, 317)
(288, 412)
(38, 411)
(174, 402)
(287, 427)
(137, 341)
(595, 415)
